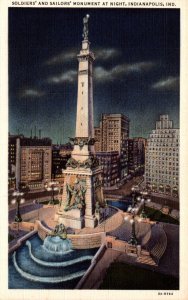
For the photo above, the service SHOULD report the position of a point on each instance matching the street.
(125, 189)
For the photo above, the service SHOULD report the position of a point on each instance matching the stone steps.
(146, 260)
(158, 243)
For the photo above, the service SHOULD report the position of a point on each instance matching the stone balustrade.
(79, 241)
(20, 241)
(42, 230)
(94, 261)
(86, 241)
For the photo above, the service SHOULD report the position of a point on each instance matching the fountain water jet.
(57, 245)
(57, 242)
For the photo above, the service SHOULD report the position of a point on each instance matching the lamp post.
(18, 200)
(52, 186)
(135, 192)
(133, 240)
(144, 199)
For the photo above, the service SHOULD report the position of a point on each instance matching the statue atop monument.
(85, 29)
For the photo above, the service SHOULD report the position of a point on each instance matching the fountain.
(52, 263)
(57, 245)
(57, 241)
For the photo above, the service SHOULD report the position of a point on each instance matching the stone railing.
(20, 241)
(116, 219)
(124, 247)
(115, 244)
(109, 196)
(79, 241)
(42, 230)
(86, 241)
(27, 226)
(94, 261)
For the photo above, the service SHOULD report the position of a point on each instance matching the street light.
(135, 192)
(144, 199)
(18, 200)
(52, 186)
(133, 240)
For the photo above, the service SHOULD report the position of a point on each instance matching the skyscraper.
(30, 158)
(136, 151)
(114, 132)
(97, 134)
(162, 158)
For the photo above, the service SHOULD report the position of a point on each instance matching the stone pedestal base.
(90, 221)
(73, 218)
(84, 185)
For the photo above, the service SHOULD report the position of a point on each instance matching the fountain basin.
(57, 245)
(34, 267)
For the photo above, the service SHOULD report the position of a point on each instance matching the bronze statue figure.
(85, 29)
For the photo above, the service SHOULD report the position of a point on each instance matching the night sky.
(136, 71)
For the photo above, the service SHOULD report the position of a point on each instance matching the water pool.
(123, 205)
(32, 267)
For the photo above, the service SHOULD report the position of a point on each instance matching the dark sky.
(136, 67)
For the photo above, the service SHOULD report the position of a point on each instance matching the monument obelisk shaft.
(83, 180)
(84, 118)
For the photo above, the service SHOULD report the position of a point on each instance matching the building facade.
(136, 156)
(60, 156)
(31, 161)
(162, 158)
(112, 134)
(97, 137)
(109, 161)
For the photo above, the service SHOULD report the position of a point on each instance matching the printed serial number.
(165, 294)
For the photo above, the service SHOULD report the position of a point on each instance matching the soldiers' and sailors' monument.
(82, 192)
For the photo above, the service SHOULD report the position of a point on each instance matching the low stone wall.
(42, 230)
(30, 215)
(79, 241)
(115, 244)
(94, 261)
(124, 247)
(118, 245)
(27, 226)
(114, 196)
(86, 241)
(20, 241)
(114, 221)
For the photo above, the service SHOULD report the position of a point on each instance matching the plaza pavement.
(169, 263)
